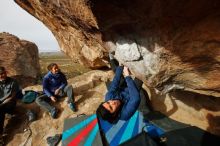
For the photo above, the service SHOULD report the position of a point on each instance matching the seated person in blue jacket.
(54, 87)
(9, 91)
(123, 96)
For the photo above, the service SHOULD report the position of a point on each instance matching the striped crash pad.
(81, 131)
(84, 130)
(122, 131)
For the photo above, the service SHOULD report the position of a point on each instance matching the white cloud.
(18, 22)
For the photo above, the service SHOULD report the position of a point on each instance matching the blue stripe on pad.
(129, 130)
(105, 126)
(135, 131)
(141, 122)
(118, 135)
(77, 127)
(114, 129)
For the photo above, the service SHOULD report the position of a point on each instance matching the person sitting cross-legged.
(55, 86)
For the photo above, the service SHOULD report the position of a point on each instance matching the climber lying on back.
(123, 97)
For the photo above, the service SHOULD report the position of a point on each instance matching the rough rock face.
(187, 107)
(168, 44)
(20, 58)
(73, 25)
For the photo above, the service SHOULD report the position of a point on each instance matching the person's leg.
(42, 101)
(2, 118)
(114, 64)
(68, 90)
(138, 83)
(144, 105)
(5, 108)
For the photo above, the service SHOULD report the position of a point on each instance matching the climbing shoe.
(72, 107)
(54, 140)
(111, 56)
(53, 113)
(31, 116)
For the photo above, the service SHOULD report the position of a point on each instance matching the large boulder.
(74, 26)
(187, 107)
(20, 58)
(168, 44)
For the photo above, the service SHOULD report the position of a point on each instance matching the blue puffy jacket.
(129, 95)
(51, 82)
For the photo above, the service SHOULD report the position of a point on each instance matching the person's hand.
(7, 100)
(53, 98)
(57, 91)
(126, 71)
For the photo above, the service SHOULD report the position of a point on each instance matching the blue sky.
(16, 21)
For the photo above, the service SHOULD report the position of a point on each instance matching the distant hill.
(47, 54)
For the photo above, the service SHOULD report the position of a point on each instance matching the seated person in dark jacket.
(122, 98)
(9, 91)
(55, 86)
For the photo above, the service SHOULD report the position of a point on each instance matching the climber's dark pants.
(6, 108)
